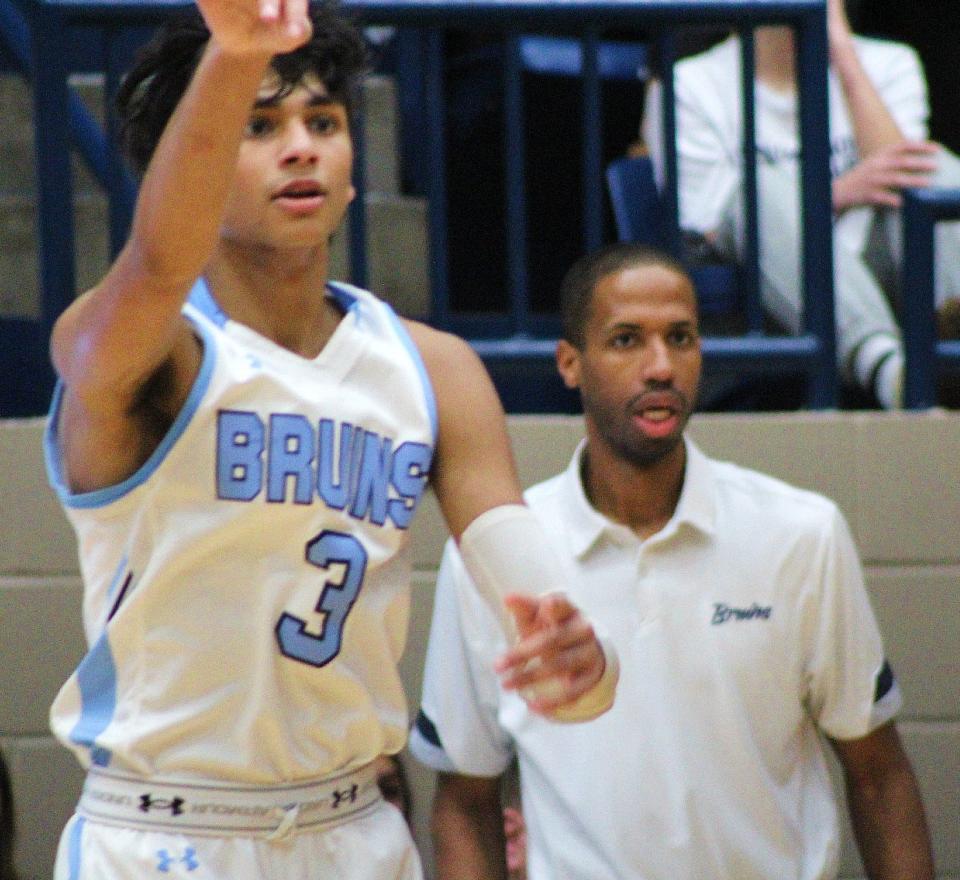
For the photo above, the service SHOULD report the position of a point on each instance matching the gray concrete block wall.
(895, 476)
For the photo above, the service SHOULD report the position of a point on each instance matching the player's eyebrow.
(274, 100)
(620, 326)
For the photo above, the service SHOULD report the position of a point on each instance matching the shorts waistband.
(272, 812)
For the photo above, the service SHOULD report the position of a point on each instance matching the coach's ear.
(568, 363)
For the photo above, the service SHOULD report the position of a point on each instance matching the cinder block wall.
(895, 476)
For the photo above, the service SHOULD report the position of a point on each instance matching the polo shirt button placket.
(646, 607)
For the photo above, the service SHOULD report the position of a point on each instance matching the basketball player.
(241, 445)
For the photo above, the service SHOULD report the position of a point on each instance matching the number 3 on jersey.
(336, 600)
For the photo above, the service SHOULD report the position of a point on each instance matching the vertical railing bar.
(515, 177)
(751, 205)
(121, 189)
(817, 242)
(54, 174)
(359, 268)
(666, 49)
(919, 338)
(592, 140)
(436, 167)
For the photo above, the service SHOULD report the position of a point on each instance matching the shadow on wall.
(7, 830)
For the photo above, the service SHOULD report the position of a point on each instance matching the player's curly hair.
(578, 285)
(335, 54)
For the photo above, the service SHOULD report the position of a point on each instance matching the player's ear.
(568, 363)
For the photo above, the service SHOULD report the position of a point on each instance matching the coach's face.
(639, 368)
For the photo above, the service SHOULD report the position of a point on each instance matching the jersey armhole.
(109, 494)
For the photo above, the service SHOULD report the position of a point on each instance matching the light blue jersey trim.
(103, 497)
(73, 851)
(428, 396)
(97, 681)
(347, 301)
(202, 300)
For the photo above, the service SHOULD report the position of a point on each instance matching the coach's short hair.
(578, 285)
(335, 54)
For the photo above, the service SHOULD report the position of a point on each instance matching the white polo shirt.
(742, 627)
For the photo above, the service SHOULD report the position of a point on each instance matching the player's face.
(293, 179)
(639, 368)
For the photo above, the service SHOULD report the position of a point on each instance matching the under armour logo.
(148, 803)
(348, 796)
(165, 861)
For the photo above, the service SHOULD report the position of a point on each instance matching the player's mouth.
(300, 196)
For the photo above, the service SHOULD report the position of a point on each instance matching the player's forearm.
(559, 665)
(873, 125)
(183, 194)
(890, 827)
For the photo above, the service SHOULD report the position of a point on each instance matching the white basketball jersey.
(247, 589)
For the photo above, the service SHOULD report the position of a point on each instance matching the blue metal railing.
(54, 23)
(925, 356)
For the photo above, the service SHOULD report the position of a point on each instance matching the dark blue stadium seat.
(563, 56)
(638, 213)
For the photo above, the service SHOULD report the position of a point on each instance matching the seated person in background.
(878, 130)
(742, 655)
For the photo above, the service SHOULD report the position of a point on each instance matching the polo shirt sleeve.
(457, 728)
(851, 688)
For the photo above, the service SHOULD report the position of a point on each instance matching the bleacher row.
(48, 41)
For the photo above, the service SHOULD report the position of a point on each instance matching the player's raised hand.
(257, 27)
(558, 657)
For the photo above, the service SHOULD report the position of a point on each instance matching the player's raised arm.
(128, 329)
(558, 664)
(119, 333)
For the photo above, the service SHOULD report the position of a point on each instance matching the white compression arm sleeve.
(506, 551)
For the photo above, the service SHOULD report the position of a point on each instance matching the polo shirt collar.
(587, 526)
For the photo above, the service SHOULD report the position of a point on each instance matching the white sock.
(878, 366)
(888, 382)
